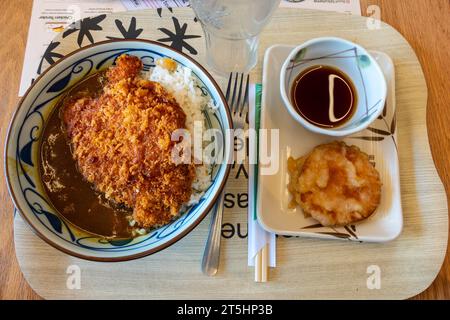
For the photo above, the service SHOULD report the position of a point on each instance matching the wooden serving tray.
(306, 268)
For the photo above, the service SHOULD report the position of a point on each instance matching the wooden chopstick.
(264, 258)
(258, 266)
(261, 265)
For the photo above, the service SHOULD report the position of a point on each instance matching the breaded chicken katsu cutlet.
(121, 141)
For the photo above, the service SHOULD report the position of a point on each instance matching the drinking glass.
(231, 29)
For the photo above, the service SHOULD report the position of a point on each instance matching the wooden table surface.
(423, 23)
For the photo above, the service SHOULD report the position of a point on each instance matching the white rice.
(185, 89)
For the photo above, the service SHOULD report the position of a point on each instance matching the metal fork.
(237, 98)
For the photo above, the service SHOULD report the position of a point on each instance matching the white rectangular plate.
(378, 141)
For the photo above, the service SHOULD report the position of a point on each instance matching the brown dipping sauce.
(73, 197)
(315, 88)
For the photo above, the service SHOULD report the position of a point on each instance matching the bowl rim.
(145, 252)
(312, 127)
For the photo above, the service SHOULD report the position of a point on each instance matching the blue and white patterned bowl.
(23, 143)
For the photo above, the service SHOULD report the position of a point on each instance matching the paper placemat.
(306, 268)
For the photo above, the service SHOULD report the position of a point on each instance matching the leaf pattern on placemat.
(49, 55)
(84, 28)
(159, 11)
(178, 37)
(130, 33)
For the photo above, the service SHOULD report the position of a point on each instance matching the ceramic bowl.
(23, 144)
(355, 62)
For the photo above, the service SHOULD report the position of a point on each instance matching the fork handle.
(211, 256)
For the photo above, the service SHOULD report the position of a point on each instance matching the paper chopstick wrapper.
(257, 236)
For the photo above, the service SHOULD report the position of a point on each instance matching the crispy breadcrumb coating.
(335, 184)
(121, 141)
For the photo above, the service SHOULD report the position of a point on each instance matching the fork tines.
(237, 94)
